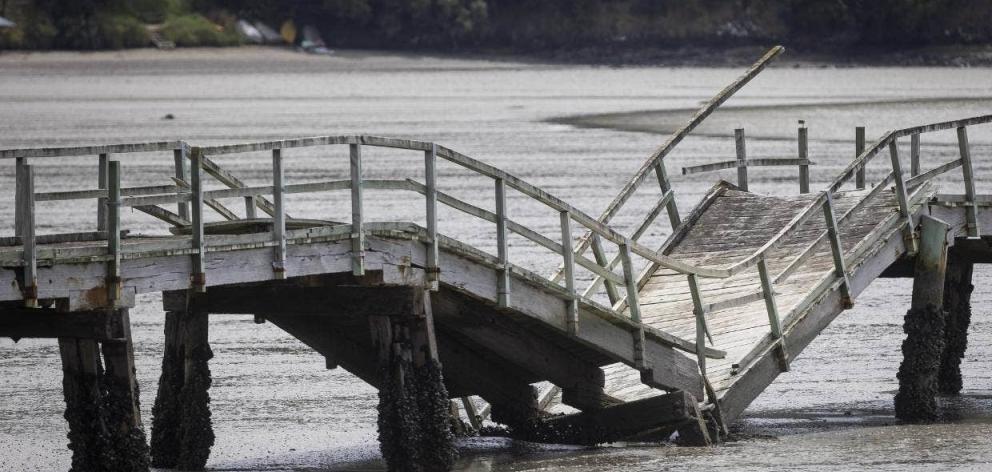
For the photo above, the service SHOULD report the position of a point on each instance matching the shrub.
(119, 32)
(195, 30)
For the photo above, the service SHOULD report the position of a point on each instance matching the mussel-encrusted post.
(414, 425)
(102, 410)
(957, 309)
(924, 327)
(182, 433)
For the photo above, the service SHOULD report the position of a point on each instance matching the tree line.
(534, 24)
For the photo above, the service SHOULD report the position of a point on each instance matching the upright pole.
(430, 179)
(24, 202)
(101, 183)
(859, 148)
(741, 158)
(803, 157)
(199, 240)
(279, 219)
(357, 230)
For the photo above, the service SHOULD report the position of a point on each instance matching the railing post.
(633, 304)
(741, 158)
(279, 219)
(840, 267)
(113, 222)
(971, 212)
(909, 234)
(251, 211)
(603, 261)
(666, 186)
(502, 249)
(859, 148)
(180, 157)
(914, 154)
(199, 279)
(803, 156)
(102, 176)
(572, 305)
(430, 178)
(771, 306)
(357, 231)
(26, 230)
(702, 328)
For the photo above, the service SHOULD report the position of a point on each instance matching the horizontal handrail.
(761, 162)
(92, 150)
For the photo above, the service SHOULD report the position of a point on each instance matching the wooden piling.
(924, 327)
(89, 439)
(122, 412)
(414, 425)
(957, 309)
(182, 431)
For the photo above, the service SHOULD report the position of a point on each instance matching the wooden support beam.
(615, 423)
(741, 158)
(47, 323)
(122, 409)
(666, 186)
(924, 327)
(89, 438)
(957, 306)
(600, 255)
(859, 148)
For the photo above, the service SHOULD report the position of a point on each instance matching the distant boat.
(270, 35)
(5, 23)
(249, 32)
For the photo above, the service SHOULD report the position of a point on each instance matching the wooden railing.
(190, 197)
(742, 162)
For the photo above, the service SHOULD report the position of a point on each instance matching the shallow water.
(274, 405)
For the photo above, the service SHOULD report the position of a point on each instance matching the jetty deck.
(639, 340)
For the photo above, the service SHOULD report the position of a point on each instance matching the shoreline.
(604, 56)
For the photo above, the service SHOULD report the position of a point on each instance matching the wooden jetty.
(743, 285)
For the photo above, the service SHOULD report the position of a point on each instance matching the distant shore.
(944, 56)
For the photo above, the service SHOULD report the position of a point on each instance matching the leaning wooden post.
(837, 250)
(924, 327)
(568, 257)
(914, 154)
(430, 179)
(113, 225)
(909, 235)
(279, 219)
(180, 157)
(26, 230)
(102, 176)
(702, 328)
(768, 290)
(666, 186)
(502, 247)
(859, 149)
(199, 280)
(803, 157)
(357, 230)
(741, 158)
(971, 212)
(633, 304)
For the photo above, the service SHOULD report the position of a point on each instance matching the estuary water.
(569, 129)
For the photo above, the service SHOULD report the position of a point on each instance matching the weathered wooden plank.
(914, 155)
(196, 227)
(502, 246)
(26, 230)
(357, 210)
(803, 155)
(741, 147)
(920, 178)
(90, 150)
(430, 179)
(969, 181)
(113, 222)
(621, 421)
(859, 148)
(279, 220)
